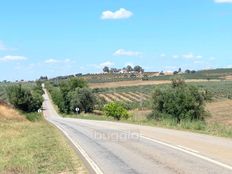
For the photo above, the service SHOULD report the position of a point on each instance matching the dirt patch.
(228, 77)
(135, 83)
(221, 112)
(7, 113)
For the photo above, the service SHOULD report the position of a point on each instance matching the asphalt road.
(112, 147)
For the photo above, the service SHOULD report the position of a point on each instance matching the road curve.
(111, 147)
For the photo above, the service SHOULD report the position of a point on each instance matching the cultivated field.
(139, 83)
(218, 90)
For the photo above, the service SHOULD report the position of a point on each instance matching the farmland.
(214, 74)
(218, 89)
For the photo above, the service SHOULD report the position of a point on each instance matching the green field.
(218, 90)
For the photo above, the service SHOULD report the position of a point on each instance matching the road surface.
(112, 147)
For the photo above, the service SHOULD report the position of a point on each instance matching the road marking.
(94, 166)
(189, 152)
(189, 149)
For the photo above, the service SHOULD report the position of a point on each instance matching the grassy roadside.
(34, 147)
(212, 128)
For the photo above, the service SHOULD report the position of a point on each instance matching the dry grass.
(221, 112)
(228, 77)
(135, 83)
(9, 114)
(33, 147)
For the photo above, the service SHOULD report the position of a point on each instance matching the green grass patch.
(35, 147)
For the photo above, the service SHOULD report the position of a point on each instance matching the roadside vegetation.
(25, 99)
(33, 147)
(71, 94)
(178, 105)
(28, 144)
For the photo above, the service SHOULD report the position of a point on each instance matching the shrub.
(116, 110)
(83, 98)
(181, 102)
(100, 103)
(24, 99)
(57, 98)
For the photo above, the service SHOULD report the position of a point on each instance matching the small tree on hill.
(138, 68)
(129, 68)
(106, 69)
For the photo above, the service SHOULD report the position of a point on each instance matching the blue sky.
(51, 37)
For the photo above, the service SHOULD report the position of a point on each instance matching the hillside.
(33, 147)
(9, 114)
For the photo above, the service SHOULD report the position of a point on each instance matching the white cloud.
(188, 56)
(122, 52)
(102, 65)
(54, 61)
(223, 1)
(107, 63)
(191, 56)
(119, 14)
(12, 58)
(175, 56)
(162, 55)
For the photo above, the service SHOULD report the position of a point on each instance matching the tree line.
(126, 69)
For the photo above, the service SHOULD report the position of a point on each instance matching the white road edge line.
(189, 149)
(189, 152)
(94, 166)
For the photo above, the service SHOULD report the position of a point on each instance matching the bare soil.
(134, 83)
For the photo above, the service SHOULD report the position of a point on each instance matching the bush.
(100, 103)
(57, 98)
(24, 99)
(180, 102)
(83, 98)
(116, 110)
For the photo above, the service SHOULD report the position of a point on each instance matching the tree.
(180, 102)
(175, 72)
(129, 68)
(106, 69)
(67, 86)
(138, 68)
(187, 71)
(193, 71)
(83, 98)
(161, 73)
(24, 99)
(179, 70)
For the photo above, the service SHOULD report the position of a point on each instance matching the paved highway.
(112, 147)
